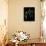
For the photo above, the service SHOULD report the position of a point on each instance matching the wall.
(16, 21)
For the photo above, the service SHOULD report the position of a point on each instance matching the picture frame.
(29, 13)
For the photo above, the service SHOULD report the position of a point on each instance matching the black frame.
(29, 13)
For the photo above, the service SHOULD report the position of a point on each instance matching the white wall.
(16, 21)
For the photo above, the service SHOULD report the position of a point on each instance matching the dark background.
(29, 14)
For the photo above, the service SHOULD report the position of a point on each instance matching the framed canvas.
(29, 13)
